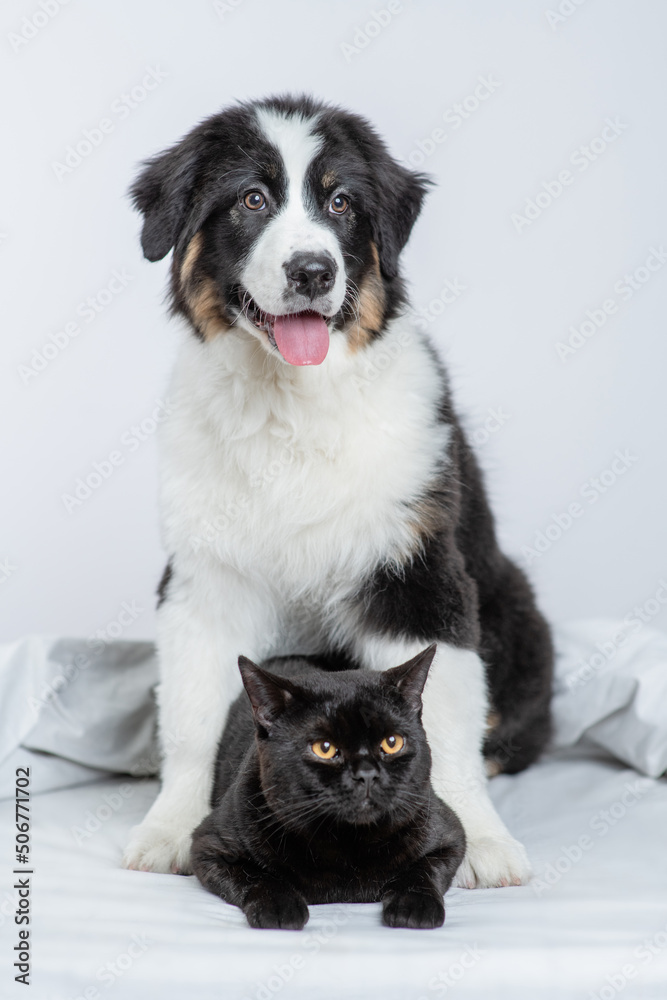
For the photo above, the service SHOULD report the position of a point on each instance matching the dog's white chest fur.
(300, 479)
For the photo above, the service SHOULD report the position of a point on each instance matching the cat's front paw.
(413, 909)
(283, 909)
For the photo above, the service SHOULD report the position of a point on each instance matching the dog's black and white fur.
(331, 508)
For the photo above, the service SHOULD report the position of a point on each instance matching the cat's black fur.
(288, 828)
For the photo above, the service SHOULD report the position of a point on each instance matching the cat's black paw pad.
(279, 910)
(413, 909)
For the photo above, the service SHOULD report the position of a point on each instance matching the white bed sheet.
(593, 923)
(568, 935)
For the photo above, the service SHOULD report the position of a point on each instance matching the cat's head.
(348, 746)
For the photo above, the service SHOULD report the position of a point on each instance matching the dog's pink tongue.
(301, 338)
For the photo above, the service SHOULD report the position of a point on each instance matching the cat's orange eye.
(392, 744)
(324, 749)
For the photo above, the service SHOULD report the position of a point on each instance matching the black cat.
(322, 794)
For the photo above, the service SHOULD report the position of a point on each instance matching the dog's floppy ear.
(163, 192)
(400, 196)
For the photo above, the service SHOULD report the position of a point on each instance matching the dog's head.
(287, 218)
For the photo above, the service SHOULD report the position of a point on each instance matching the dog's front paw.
(491, 862)
(413, 909)
(155, 847)
(283, 909)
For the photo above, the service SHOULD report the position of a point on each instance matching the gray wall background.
(496, 102)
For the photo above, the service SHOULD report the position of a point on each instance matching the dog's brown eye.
(324, 749)
(254, 200)
(392, 744)
(339, 205)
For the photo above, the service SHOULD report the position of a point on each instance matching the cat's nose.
(367, 774)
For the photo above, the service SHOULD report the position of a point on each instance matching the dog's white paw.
(493, 861)
(157, 847)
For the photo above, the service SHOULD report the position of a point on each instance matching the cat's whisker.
(296, 814)
(316, 830)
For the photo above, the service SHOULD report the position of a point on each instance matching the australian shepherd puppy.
(318, 493)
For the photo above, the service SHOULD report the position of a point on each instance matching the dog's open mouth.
(301, 338)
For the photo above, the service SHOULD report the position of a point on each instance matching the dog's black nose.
(310, 274)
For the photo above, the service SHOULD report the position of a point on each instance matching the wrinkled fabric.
(593, 919)
(611, 691)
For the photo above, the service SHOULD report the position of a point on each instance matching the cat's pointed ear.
(411, 676)
(269, 695)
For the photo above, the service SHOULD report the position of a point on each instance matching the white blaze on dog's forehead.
(293, 137)
(296, 226)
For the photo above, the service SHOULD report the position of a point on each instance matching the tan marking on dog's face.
(201, 293)
(206, 309)
(370, 307)
(191, 255)
(328, 179)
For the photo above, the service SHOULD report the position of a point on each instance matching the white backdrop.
(561, 105)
